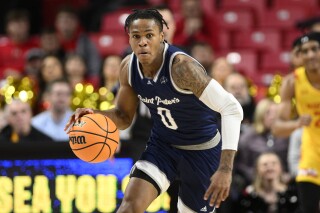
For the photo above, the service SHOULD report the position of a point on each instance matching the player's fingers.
(71, 119)
(82, 111)
(219, 199)
(225, 194)
(208, 192)
(214, 198)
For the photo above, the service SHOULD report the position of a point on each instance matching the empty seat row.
(282, 18)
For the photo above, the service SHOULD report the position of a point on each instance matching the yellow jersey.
(308, 102)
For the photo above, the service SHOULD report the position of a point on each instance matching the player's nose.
(142, 42)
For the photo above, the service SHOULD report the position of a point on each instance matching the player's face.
(146, 40)
(310, 53)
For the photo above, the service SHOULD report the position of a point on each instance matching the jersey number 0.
(166, 118)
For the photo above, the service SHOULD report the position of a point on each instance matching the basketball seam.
(99, 125)
(105, 139)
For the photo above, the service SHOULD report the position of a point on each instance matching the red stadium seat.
(51, 7)
(310, 5)
(109, 44)
(275, 62)
(234, 19)
(224, 40)
(288, 38)
(259, 40)
(256, 6)
(282, 18)
(245, 61)
(208, 6)
(113, 22)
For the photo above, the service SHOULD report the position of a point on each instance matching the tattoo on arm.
(176, 60)
(189, 75)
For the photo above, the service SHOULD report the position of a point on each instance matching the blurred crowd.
(45, 76)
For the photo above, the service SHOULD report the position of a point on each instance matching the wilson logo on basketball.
(77, 139)
(80, 123)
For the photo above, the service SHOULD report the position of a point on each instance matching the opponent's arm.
(125, 105)
(284, 124)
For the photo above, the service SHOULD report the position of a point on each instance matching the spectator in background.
(237, 85)
(3, 121)
(220, 69)
(268, 192)
(76, 70)
(168, 17)
(74, 40)
(203, 52)
(52, 121)
(51, 70)
(16, 43)
(195, 25)
(33, 64)
(258, 139)
(50, 44)
(309, 25)
(111, 72)
(19, 129)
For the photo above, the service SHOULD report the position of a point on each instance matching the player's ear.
(162, 37)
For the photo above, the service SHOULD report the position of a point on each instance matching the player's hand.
(77, 114)
(219, 187)
(304, 120)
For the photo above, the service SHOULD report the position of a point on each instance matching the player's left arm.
(189, 75)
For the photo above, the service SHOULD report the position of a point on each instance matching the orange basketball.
(94, 138)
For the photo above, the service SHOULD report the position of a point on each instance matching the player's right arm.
(125, 105)
(284, 125)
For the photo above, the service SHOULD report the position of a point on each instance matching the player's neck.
(314, 78)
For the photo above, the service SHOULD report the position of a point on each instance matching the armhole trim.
(130, 70)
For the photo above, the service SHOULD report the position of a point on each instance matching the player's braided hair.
(145, 14)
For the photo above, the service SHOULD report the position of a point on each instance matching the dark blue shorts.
(164, 164)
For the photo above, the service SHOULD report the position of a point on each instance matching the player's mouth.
(143, 53)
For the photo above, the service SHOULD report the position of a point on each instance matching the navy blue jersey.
(180, 118)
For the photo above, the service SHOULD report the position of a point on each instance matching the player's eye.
(149, 35)
(135, 36)
(312, 49)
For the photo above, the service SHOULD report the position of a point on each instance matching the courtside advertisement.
(66, 185)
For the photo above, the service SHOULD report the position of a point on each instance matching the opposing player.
(304, 85)
(183, 102)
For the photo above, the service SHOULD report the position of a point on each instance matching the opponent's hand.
(304, 120)
(77, 114)
(219, 187)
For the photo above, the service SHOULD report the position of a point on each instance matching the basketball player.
(183, 102)
(304, 85)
